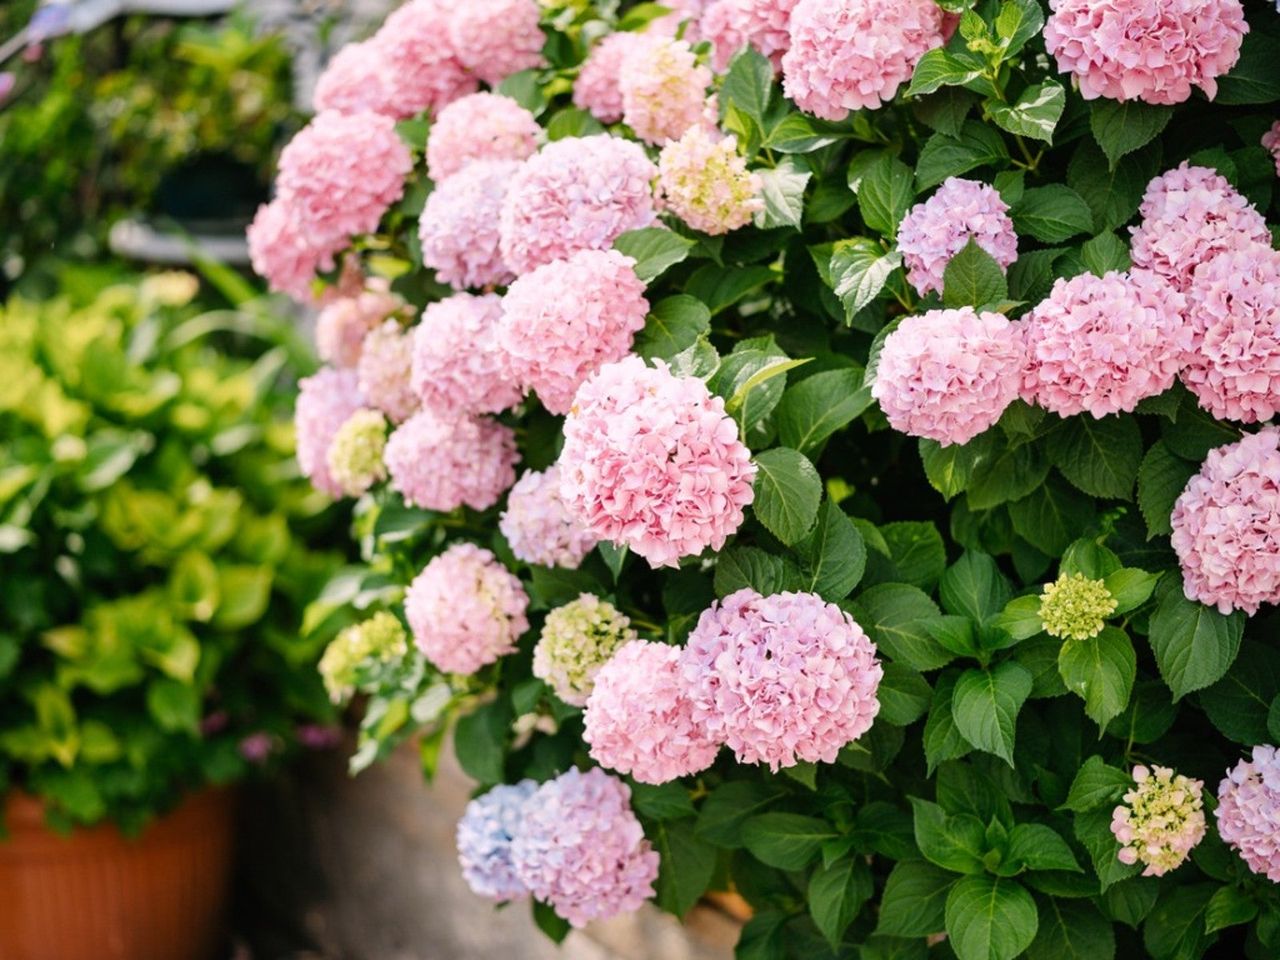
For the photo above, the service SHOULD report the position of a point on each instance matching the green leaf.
(986, 705)
(761, 937)
(1021, 617)
(1072, 930)
(885, 194)
(1009, 472)
(942, 156)
(1101, 671)
(972, 278)
(938, 68)
(787, 493)
(896, 617)
(730, 805)
(1035, 113)
(836, 894)
(1051, 516)
(685, 867)
(818, 406)
(245, 592)
(1121, 128)
(749, 410)
(1239, 704)
(788, 841)
(914, 900)
(1101, 457)
(955, 843)
(1228, 907)
(974, 587)
(570, 122)
(674, 324)
(1112, 191)
(764, 572)
(990, 918)
(1035, 846)
(834, 553)
(942, 738)
(859, 270)
(918, 553)
(1130, 587)
(524, 89)
(1176, 928)
(904, 695)
(654, 249)
(721, 287)
(782, 190)
(1161, 479)
(667, 801)
(1254, 77)
(796, 133)
(950, 468)
(174, 706)
(1104, 253)
(480, 741)
(748, 85)
(1016, 23)
(1194, 645)
(552, 925)
(1051, 214)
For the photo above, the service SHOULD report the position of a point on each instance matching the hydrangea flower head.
(465, 609)
(1161, 819)
(731, 25)
(496, 38)
(355, 453)
(850, 54)
(485, 833)
(566, 319)
(458, 365)
(1189, 216)
(326, 400)
(284, 254)
(1233, 312)
(1150, 50)
(579, 193)
(596, 88)
(442, 463)
(384, 370)
(652, 461)
(482, 126)
(1099, 345)
(538, 526)
(381, 638)
(781, 679)
(581, 850)
(577, 639)
(459, 230)
(936, 230)
(1271, 142)
(949, 374)
(343, 323)
(1075, 608)
(1226, 525)
(421, 67)
(1249, 811)
(664, 92)
(354, 81)
(704, 182)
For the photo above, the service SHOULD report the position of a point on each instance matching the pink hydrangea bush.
(538, 526)
(650, 460)
(482, 126)
(664, 91)
(458, 365)
(326, 400)
(596, 88)
(354, 81)
(704, 182)
(936, 230)
(496, 38)
(458, 230)
(763, 25)
(465, 610)
(1249, 811)
(442, 463)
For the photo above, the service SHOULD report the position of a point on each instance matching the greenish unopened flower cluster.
(380, 639)
(577, 640)
(1075, 607)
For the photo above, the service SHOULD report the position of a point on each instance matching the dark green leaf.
(674, 324)
(834, 553)
(990, 918)
(1254, 78)
(974, 587)
(654, 249)
(1036, 111)
(1240, 703)
(836, 894)
(818, 406)
(914, 899)
(943, 156)
(942, 738)
(764, 572)
(685, 866)
(1101, 670)
(1051, 214)
(1121, 128)
(1052, 516)
(859, 270)
(730, 805)
(896, 617)
(787, 493)
(1101, 457)
(885, 194)
(955, 843)
(788, 841)
(1194, 644)
(1036, 846)
(986, 705)
(939, 68)
(904, 695)
(1072, 930)
(972, 278)
(1161, 479)
(480, 741)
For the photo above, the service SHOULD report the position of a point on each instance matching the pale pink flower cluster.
(354, 81)
(1226, 526)
(482, 126)
(1160, 821)
(1249, 811)
(639, 718)
(284, 255)
(326, 400)
(459, 229)
(384, 370)
(496, 38)
(1234, 315)
(566, 319)
(949, 374)
(538, 526)
(705, 183)
(1150, 50)
(421, 68)
(781, 679)
(343, 324)
(664, 92)
(458, 367)
(581, 849)
(1189, 216)
(1099, 345)
(850, 54)
(579, 193)
(936, 230)
(465, 609)
(763, 25)
(1271, 142)
(440, 464)
(596, 88)
(652, 461)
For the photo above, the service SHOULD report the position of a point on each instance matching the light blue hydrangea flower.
(485, 833)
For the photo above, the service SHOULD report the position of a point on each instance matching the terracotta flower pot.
(98, 894)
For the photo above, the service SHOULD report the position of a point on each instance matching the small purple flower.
(258, 747)
(315, 736)
(214, 723)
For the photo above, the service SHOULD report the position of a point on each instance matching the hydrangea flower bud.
(1075, 607)
(705, 183)
(1160, 821)
(577, 639)
(381, 638)
(355, 454)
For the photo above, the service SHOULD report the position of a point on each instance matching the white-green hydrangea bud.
(577, 640)
(382, 638)
(1075, 607)
(355, 453)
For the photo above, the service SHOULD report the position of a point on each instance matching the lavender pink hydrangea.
(1160, 821)
(651, 460)
(781, 679)
(537, 525)
(458, 366)
(343, 324)
(936, 230)
(763, 25)
(1150, 50)
(639, 718)
(664, 92)
(384, 370)
(566, 319)
(1099, 345)
(458, 230)
(326, 400)
(442, 463)
(1271, 142)
(704, 182)
(421, 66)
(948, 375)
(485, 833)
(465, 609)
(579, 193)
(596, 88)
(581, 850)
(482, 126)
(496, 38)
(1249, 811)
(1226, 525)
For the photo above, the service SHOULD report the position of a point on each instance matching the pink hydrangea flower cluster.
(1234, 315)
(440, 464)
(1189, 216)
(652, 461)
(1160, 821)
(705, 183)
(581, 849)
(596, 89)
(284, 255)
(343, 324)
(459, 230)
(639, 718)
(485, 832)
(781, 679)
(421, 67)
(1249, 811)
(326, 400)
(465, 609)
(850, 54)
(384, 370)
(496, 38)
(664, 92)
(1099, 345)
(579, 193)
(763, 25)
(538, 526)
(458, 367)
(949, 374)
(354, 81)
(1271, 142)
(1150, 50)
(1226, 526)
(936, 230)
(482, 126)
(563, 321)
